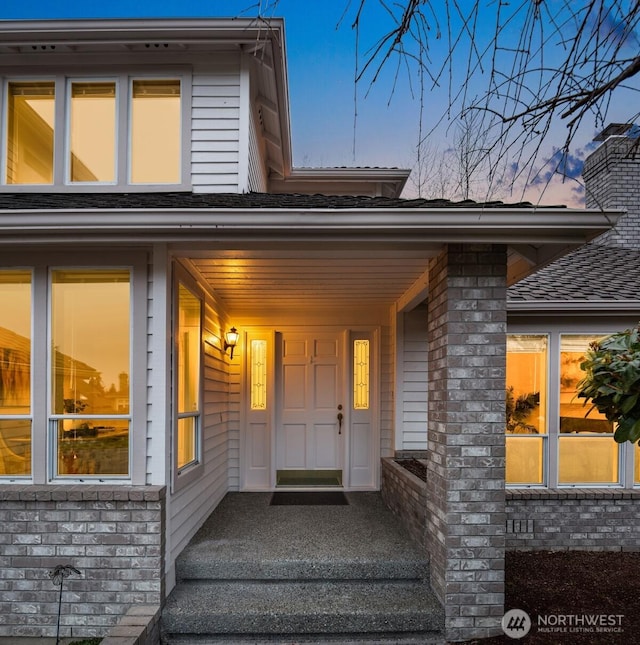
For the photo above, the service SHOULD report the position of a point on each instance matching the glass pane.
(15, 342)
(30, 132)
(15, 447)
(524, 460)
(155, 132)
(526, 395)
(588, 460)
(187, 441)
(572, 410)
(258, 374)
(93, 446)
(93, 131)
(90, 327)
(361, 375)
(189, 336)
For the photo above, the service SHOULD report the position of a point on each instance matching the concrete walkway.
(257, 573)
(281, 541)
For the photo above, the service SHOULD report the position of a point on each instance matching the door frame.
(257, 435)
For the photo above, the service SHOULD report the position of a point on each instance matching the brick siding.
(590, 519)
(466, 326)
(611, 175)
(114, 535)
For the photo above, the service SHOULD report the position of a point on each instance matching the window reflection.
(30, 130)
(90, 335)
(189, 337)
(15, 373)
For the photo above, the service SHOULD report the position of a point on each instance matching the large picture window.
(15, 373)
(188, 341)
(552, 438)
(90, 366)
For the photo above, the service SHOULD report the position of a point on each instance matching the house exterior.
(148, 207)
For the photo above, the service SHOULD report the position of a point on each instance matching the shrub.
(612, 381)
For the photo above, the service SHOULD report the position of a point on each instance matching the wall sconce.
(231, 340)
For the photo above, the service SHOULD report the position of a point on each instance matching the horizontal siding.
(414, 382)
(257, 172)
(191, 506)
(215, 126)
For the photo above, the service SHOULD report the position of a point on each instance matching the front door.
(310, 428)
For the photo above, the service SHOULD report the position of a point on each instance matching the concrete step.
(201, 609)
(189, 567)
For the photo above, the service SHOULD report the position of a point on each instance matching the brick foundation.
(591, 519)
(114, 535)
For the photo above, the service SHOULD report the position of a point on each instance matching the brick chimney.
(612, 179)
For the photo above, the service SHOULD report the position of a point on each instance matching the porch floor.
(346, 573)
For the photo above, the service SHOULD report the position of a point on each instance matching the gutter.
(542, 307)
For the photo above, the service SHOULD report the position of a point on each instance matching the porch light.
(231, 340)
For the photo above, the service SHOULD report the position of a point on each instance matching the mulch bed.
(415, 467)
(577, 585)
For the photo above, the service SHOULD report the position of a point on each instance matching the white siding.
(257, 171)
(215, 127)
(412, 398)
(191, 505)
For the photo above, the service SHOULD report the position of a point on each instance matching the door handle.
(340, 417)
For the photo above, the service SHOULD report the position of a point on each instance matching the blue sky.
(321, 64)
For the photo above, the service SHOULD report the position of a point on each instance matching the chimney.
(612, 180)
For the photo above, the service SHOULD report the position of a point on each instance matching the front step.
(296, 608)
(258, 574)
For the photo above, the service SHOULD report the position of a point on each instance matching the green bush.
(612, 381)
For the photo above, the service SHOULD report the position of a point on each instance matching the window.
(552, 438)
(361, 374)
(587, 452)
(94, 120)
(258, 376)
(188, 340)
(155, 132)
(526, 408)
(92, 147)
(30, 133)
(90, 364)
(15, 373)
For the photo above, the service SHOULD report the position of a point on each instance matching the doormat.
(316, 498)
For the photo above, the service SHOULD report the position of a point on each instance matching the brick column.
(465, 492)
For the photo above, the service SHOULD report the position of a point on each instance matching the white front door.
(310, 428)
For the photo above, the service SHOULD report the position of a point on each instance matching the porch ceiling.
(314, 279)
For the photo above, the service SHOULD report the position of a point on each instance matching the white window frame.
(124, 82)
(185, 475)
(554, 332)
(42, 450)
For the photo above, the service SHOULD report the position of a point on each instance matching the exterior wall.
(611, 175)
(215, 128)
(114, 535)
(406, 496)
(590, 519)
(587, 519)
(412, 395)
(257, 171)
(465, 462)
(191, 504)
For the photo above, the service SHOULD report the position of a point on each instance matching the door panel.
(308, 436)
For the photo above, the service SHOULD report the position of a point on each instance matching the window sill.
(79, 492)
(571, 493)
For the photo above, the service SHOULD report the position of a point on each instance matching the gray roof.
(591, 273)
(188, 200)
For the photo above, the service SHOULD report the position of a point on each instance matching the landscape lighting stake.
(58, 575)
